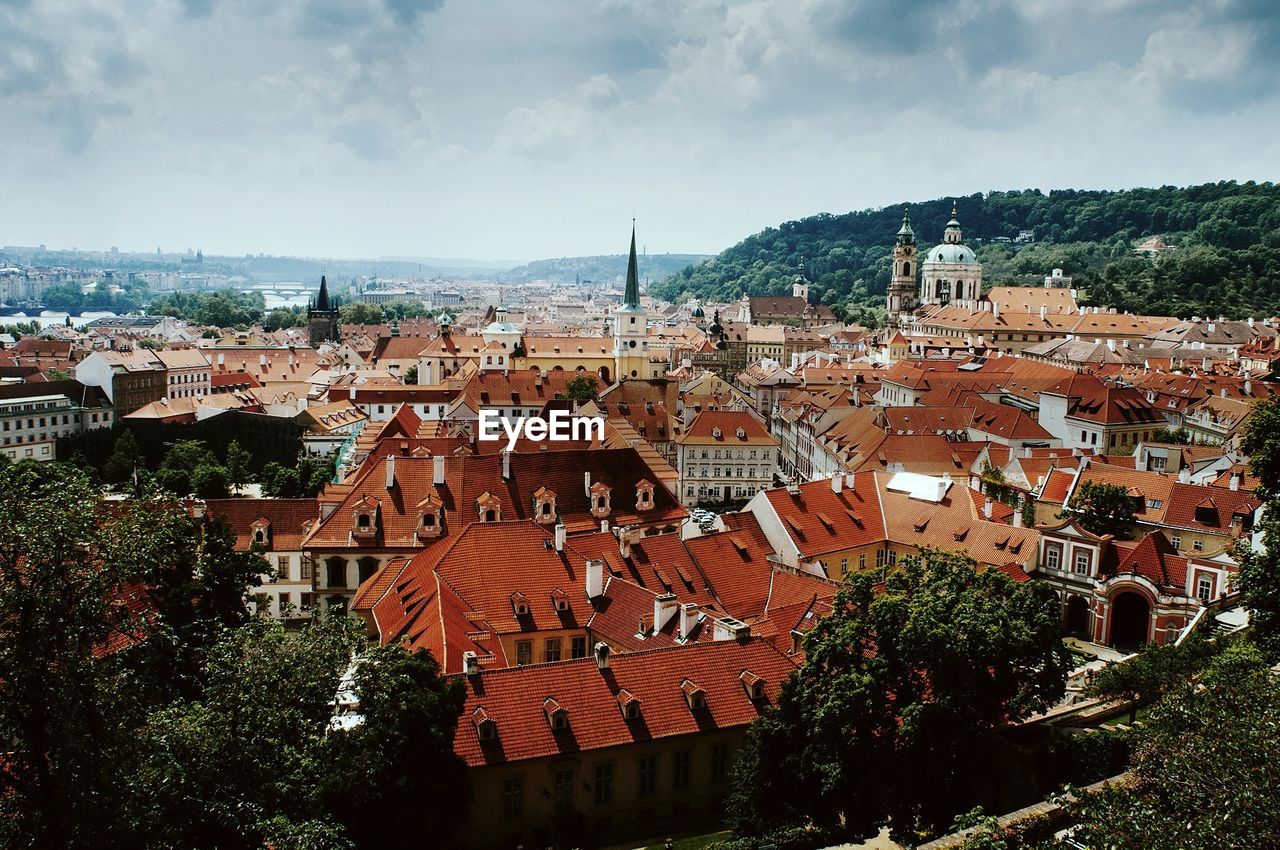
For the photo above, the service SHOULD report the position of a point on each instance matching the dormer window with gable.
(753, 683)
(742, 433)
(544, 506)
(262, 532)
(601, 505)
(557, 714)
(560, 601)
(629, 705)
(716, 433)
(490, 507)
(430, 517)
(694, 695)
(486, 728)
(519, 604)
(644, 495)
(364, 522)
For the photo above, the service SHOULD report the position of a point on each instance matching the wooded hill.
(1224, 256)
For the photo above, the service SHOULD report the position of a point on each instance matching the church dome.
(951, 253)
(698, 312)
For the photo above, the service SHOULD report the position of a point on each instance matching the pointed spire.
(632, 297)
(322, 300)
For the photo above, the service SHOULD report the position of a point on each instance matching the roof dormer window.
(694, 695)
(490, 507)
(629, 705)
(544, 506)
(644, 495)
(560, 600)
(600, 500)
(486, 728)
(519, 604)
(557, 714)
(753, 683)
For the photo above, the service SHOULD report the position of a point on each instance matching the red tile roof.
(287, 518)
(820, 521)
(514, 699)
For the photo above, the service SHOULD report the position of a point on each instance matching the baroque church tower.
(902, 298)
(630, 326)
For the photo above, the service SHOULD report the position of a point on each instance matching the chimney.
(727, 628)
(995, 309)
(391, 471)
(586, 483)
(470, 663)
(1248, 387)
(595, 579)
(987, 508)
(506, 465)
(437, 470)
(561, 533)
(1017, 519)
(222, 358)
(1235, 481)
(1044, 309)
(602, 655)
(664, 608)
(848, 480)
(604, 526)
(262, 360)
(688, 619)
(290, 358)
(624, 543)
(1184, 475)
(836, 482)
(351, 392)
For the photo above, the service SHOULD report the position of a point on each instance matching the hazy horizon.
(512, 132)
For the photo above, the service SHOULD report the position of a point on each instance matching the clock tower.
(902, 298)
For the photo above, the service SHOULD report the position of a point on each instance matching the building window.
(551, 650)
(524, 652)
(680, 769)
(337, 572)
(564, 791)
(578, 646)
(1177, 542)
(306, 567)
(1204, 588)
(1197, 545)
(604, 784)
(647, 778)
(282, 567)
(1081, 565)
(719, 762)
(513, 797)
(1052, 555)
(844, 566)
(367, 567)
(862, 561)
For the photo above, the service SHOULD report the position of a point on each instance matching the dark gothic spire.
(322, 300)
(632, 298)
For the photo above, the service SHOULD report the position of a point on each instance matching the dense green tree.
(1103, 509)
(1205, 768)
(282, 317)
(360, 313)
(1259, 579)
(400, 758)
(581, 387)
(61, 603)
(892, 717)
(279, 481)
(125, 459)
(411, 375)
(237, 465)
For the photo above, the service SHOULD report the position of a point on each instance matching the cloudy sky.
(518, 129)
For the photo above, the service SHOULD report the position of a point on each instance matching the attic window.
(486, 728)
(716, 433)
(560, 600)
(519, 604)
(557, 715)
(629, 704)
(742, 433)
(753, 683)
(694, 695)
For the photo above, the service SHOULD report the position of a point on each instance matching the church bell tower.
(902, 285)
